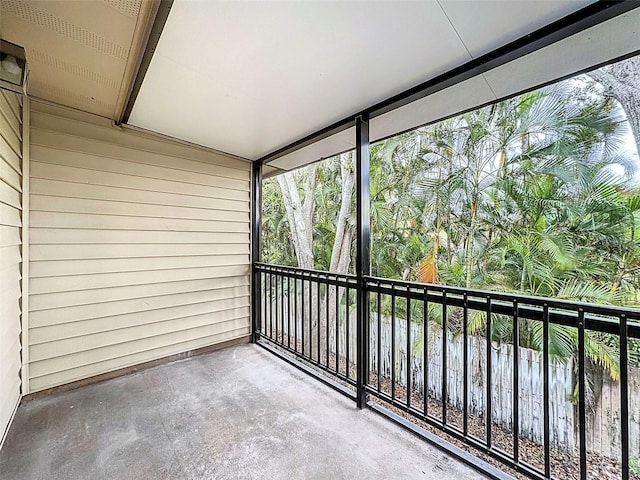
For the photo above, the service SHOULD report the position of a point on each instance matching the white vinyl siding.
(139, 247)
(10, 253)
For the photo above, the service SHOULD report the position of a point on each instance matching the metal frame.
(363, 249)
(332, 367)
(256, 246)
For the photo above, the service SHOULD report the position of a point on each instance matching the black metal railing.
(310, 314)
(467, 393)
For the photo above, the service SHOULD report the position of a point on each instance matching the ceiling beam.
(153, 37)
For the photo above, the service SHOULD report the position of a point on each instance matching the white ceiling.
(250, 77)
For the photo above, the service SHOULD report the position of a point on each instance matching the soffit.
(81, 54)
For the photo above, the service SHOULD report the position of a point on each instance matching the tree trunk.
(300, 212)
(341, 253)
(622, 81)
(300, 215)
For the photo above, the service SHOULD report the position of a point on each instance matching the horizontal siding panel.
(109, 352)
(136, 170)
(12, 117)
(234, 295)
(9, 155)
(9, 175)
(10, 216)
(8, 133)
(121, 222)
(13, 101)
(148, 316)
(9, 195)
(115, 338)
(48, 236)
(211, 310)
(9, 236)
(79, 175)
(97, 251)
(10, 310)
(70, 143)
(9, 393)
(9, 255)
(100, 131)
(78, 373)
(45, 203)
(101, 295)
(110, 280)
(139, 247)
(88, 267)
(40, 186)
(63, 331)
(8, 357)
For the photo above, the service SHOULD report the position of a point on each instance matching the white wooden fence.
(603, 422)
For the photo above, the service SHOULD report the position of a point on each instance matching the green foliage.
(525, 196)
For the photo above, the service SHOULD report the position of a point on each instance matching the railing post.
(256, 235)
(363, 237)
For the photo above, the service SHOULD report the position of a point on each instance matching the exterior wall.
(10, 253)
(139, 247)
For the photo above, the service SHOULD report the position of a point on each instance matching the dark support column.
(256, 235)
(363, 263)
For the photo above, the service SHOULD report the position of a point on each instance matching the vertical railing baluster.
(465, 365)
(276, 307)
(326, 317)
(310, 317)
(348, 330)
(624, 396)
(425, 354)
(545, 391)
(302, 314)
(318, 316)
(337, 328)
(489, 412)
(516, 383)
(444, 357)
(408, 347)
(582, 400)
(379, 335)
(289, 311)
(271, 305)
(393, 342)
(263, 316)
(281, 282)
(295, 314)
(282, 293)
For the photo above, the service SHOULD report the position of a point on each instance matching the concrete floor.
(238, 413)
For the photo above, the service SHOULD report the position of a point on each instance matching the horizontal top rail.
(597, 317)
(268, 267)
(597, 309)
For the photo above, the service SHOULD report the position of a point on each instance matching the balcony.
(136, 138)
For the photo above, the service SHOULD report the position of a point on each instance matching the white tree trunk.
(341, 253)
(622, 81)
(300, 212)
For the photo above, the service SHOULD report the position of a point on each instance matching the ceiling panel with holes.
(81, 54)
